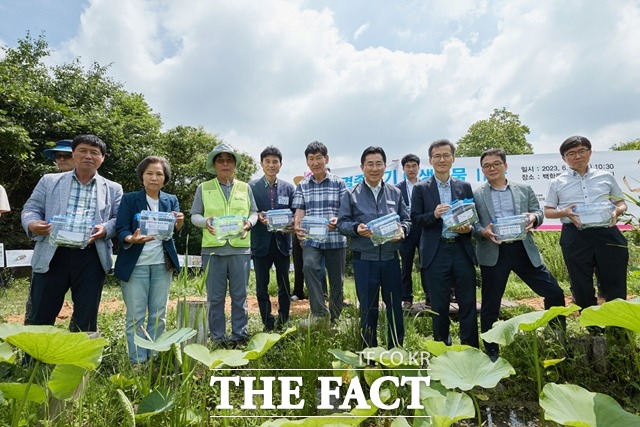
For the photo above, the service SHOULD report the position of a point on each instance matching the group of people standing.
(144, 265)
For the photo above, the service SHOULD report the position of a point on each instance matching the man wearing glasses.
(499, 198)
(446, 256)
(584, 250)
(61, 155)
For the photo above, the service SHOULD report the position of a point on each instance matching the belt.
(449, 239)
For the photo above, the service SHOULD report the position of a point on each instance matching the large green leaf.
(400, 422)
(259, 344)
(64, 380)
(166, 340)
(434, 389)
(503, 332)
(6, 353)
(16, 391)
(217, 358)
(348, 357)
(446, 410)
(625, 314)
(467, 369)
(8, 329)
(572, 405)
(67, 348)
(339, 419)
(156, 402)
(436, 348)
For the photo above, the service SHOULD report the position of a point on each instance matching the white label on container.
(387, 229)
(279, 220)
(229, 228)
(155, 227)
(318, 230)
(509, 230)
(73, 236)
(464, 216)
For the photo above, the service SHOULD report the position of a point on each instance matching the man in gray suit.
(498, 198)
(83, 194)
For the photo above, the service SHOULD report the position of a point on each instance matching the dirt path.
(300, 308)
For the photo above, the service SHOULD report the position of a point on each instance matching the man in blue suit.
(271, 248)
(498, 198)
(446, 256)
(83, 194)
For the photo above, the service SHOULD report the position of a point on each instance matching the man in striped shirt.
(319, 196)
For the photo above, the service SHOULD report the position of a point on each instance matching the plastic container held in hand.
(460, 213)
(228, 227)
(279, 220)
(511, 228)
(595, 215)
(315, 228)
(71, 231)
(157, 224)
(384, 229)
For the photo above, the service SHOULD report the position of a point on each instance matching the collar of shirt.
(375, 189)
(313, 178)
(499, 189)
(441, 184)
(574, 172)
(267, 184)
(91, 181)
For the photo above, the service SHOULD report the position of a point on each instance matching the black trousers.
(451, 265)
(584, 250)
(513, 257)
(408, 248)
(262, 267)
(298, 274)
(79, 270)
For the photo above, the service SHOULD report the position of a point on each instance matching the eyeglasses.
(494, 165)
(572, 154)
(376, 165)
(62, 156)
(445, 156)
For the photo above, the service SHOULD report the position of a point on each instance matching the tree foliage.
(629, 145)
(502, 129)
(40, 105)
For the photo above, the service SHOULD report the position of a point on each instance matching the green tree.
(40, 105)
(502, 129)
(629, 145)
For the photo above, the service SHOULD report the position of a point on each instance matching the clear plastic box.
(71, 231)
(157, 224)
(461, 212)
(384, 229)
(511, 228)
(279, 220)
(315, 228)
(595, 215)
(228, 227)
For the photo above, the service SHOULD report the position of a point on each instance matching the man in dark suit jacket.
(411, 167)
(446, 256)
(269, 248)
(498, 198)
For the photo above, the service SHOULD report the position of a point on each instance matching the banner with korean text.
(536, 170)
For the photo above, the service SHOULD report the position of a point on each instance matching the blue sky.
(357, 73)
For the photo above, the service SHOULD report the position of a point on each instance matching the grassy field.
(193, 398)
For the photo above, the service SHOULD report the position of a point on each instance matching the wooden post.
(194, 314)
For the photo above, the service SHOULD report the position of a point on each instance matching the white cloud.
(361, 29)
(279, 72)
